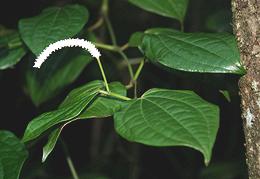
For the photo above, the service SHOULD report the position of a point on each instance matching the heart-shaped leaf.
(12, 155)
(74, 104)
(53, 24)
(170, 118)
(171, 8)
(135, 39)
(192, 52)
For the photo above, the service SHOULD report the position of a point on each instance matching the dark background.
(97, 151)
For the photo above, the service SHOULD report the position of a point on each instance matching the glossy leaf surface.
(171, 8)
(53, 24)
(101, 107)
(192, 52)
(170, 118)
(72, 106)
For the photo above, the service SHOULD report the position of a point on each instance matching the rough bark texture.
(246, 16)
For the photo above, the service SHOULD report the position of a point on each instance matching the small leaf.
(52, 140)
(53, 24)
(10, 53)
(60, 70)
(74, 104)
(100, 108)
(171, 8)
(170, 118)
(136, 39)
(192, 52)
(12, 155)
(226, 95)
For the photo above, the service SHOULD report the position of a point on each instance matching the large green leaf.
(74, 104)
(102, 107)
(61, 69)
(12, 155)
(11, 51)
(170, 118)
(170, 8)
(193, 52)
(51, 25)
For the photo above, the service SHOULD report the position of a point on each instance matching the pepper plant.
(158, 117)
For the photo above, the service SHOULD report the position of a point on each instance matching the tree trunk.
(246, 18)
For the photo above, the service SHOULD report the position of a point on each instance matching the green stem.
(118, 50)
(129, 66)
(105, 9)
(103, 74)
(69, 161)
(14, 45)
(139, 69)
(106, 47)
(114, 95)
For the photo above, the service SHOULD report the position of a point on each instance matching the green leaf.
(73, 105)
(192, 52)
(52, 140)
(12, 155)
(136, 39)
(102, 107)
(11, 51)
(171, 8)
(226, 94)
(53, 24)
(105, 106)
(60, 70)
(170, 118)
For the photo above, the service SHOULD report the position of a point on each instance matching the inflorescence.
(90, 47)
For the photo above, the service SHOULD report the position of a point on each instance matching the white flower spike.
(90, 47)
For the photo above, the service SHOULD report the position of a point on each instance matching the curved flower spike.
(66, 43)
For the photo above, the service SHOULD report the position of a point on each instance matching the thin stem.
(103, 74)
(129, 66)
(69, 161)
(106, 46)
(15, 45)
(139, 69)
(114, 95)
(105, 8)
(124, 47)
(133, 61)
(123, 55)
(96, 25)
(135, 89)
(137, 74)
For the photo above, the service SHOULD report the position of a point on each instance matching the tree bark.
(246, 22)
